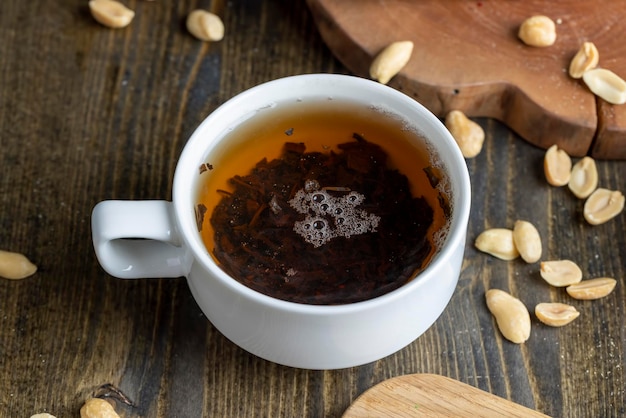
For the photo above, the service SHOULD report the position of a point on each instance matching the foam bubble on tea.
(328, 217)
(323, 203)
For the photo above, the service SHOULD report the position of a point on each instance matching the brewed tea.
(323, 203)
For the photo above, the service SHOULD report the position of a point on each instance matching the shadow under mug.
(292, 334)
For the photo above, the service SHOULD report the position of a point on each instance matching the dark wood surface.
(88, 113)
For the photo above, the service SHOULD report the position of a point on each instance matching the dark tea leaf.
(368, 233)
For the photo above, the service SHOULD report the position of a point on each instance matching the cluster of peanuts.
(202, 24)
(601, 205)
(540, 31)
(512, 316)
(536, 31)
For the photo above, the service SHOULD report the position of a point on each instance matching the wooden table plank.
(88, 113)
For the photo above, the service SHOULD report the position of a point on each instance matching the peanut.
(468, 134)
(557, 166)
(390, 61)
(606, 85)
(591, 289)
(560, 273)
(511, 315)
(111, 13)
(585, 59)
(97, 408)
(497, 242)
(42, 415)
(15, 266)
(539, 31)
(205, 26)
(527, 241)
(584, 178)
(603, 205)
(556, 314)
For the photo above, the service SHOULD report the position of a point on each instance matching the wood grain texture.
(88, 113)
(430, 395)
(467, 56)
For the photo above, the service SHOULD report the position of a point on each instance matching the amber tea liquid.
(259, 203)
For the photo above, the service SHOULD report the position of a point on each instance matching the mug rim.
(190, 159)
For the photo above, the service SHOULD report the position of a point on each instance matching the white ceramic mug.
(292, 334)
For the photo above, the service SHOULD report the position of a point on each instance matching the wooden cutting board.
(429, 395)
(467, 56)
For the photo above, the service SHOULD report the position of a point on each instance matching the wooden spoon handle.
(430, 395)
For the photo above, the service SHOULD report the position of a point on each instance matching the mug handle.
(138, 239)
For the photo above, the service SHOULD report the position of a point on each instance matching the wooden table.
(88, 113)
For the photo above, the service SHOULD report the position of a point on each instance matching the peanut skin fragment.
(511, 315)
(592, 289)
(527, 241)
(97, 408)
(497, 242)
(556, 314)
(390, 61)
(15, 266)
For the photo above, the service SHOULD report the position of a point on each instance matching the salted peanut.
(592, 289)
(468, 134)
(560, 273)
(585, 59)
(603, 205)
(556, 314)
(15, 266)
(511, 315)
(539, 31)
(606, 85)
(205, 26)
(97, 408)
(497, 242)
(527, 241)
(111, 13)
(557, 166)
(42, 415)
(390, 61)
(584, 178)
